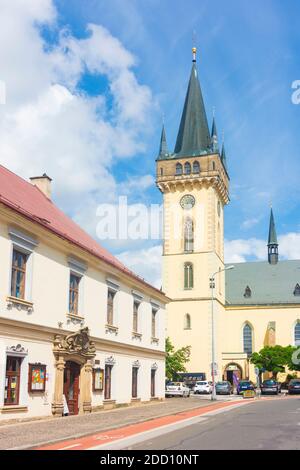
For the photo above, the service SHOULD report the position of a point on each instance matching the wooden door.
(71, 386)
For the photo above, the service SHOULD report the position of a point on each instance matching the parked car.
(294, 386)
(244, 385)
(203, 387)
(270, 386)
(223, 388)
(177, 389)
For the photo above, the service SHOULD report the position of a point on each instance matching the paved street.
(263, 424)
(24, 435)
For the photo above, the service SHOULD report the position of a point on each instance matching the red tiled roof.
(28, 200)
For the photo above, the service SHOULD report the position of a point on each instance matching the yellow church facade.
(251, 304)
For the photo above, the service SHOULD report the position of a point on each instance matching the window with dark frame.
(36, 378)
(110, 307)
(74, 294)
(178, 169)
(136, 305)
(153, 373)
(18, 274)
(107, 382)
(153, 323)
(12, 380)
(135, 371)
(247, 340)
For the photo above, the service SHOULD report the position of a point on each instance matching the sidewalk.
(38, 433)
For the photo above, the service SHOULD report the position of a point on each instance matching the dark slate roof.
(269, 284)
(193, 135)
(272, 240)
(163, 147)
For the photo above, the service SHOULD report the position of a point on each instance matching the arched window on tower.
(196, 167)
(297, 289)
(247, 293)
(247, 339)
(213, 166)
(188, 235)
(187, 321)
(297, 333)
(178, 169)
(187, 168)
(188, 276)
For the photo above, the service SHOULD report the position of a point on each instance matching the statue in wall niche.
(78, 342)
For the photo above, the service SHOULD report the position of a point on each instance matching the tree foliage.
(274, 359)
(176, 360)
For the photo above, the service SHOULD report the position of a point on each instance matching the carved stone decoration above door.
(76, 347)
(75, 343)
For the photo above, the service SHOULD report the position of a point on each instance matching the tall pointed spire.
(272, 241)
(193, 136)
(214, 136)
(163, 148)
(223, 157)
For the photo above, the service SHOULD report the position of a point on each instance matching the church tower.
(194, 183)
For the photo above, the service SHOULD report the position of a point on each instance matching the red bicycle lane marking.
(93, 440)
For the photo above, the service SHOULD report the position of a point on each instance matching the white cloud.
(48, 126)
(145, 262)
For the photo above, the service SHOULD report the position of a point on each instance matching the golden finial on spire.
(194, 49)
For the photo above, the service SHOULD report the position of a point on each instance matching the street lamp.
(213, 365)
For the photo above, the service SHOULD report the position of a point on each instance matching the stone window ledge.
(135, 400)
(13, 409)
(20, 304)
(72, 318)
(111, 329)
(109, 404)
(154, 340)
(136, 335)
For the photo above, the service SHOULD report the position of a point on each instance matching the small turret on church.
(272, 241)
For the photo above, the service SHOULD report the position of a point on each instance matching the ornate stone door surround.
(75, 347)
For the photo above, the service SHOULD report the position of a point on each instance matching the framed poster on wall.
(37, 378)
(98, 376)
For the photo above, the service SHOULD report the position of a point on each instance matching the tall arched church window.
(247, 339)
(196, 167)
(188, 276)
(187, 168)
(178, 169)
(297, 334)
(187, 321)
(188, 235)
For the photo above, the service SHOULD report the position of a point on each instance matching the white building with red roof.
(79, 332)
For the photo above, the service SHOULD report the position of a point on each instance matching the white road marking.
(69, 447)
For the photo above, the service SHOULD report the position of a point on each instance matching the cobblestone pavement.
(30, 434)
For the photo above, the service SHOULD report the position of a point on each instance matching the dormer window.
(247, 293)
(297, 290)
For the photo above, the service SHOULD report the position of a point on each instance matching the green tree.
(176, 360)
(272, 358)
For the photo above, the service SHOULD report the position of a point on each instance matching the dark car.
(270, 386)
(244, 385)
(223, 388)
(294, 386)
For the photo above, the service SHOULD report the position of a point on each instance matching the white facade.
(28, 326)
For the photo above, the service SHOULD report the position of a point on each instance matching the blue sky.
(248, 58)
(103, 139)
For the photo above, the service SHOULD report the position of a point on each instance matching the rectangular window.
(12, 380)
(107, 385)
(110, 307)
(135, 371)
(153, 325)
(74, 294)
(153, 372)
(36, 378)
(135, 316)
(18, 274)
